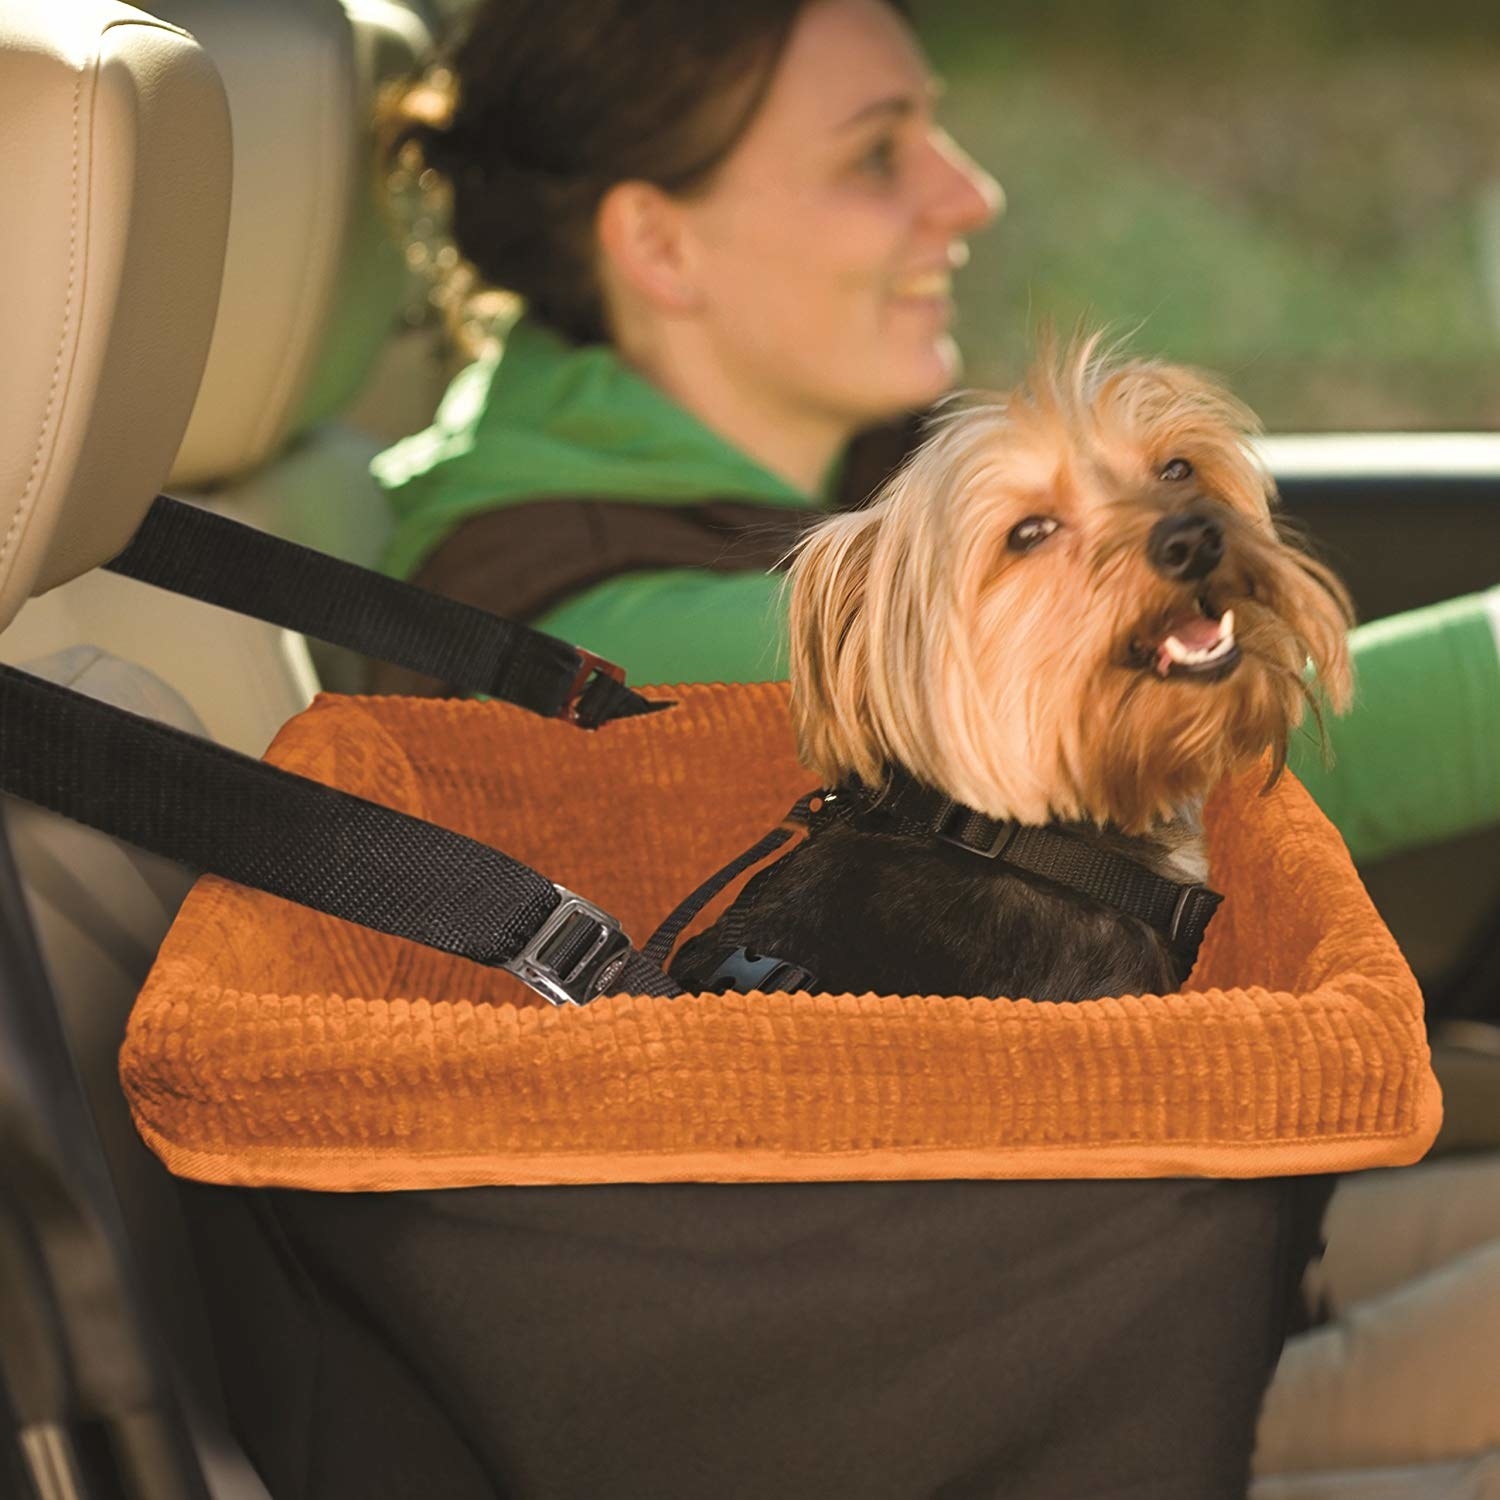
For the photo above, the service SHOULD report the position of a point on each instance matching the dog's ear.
(1322, 613)
(829, 647)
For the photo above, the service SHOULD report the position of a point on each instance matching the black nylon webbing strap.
(1179, 912)
(659, 944)
(214, 809)
(192, 551)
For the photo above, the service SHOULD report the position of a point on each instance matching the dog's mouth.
(1199, 643)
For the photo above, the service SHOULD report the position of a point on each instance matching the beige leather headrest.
(313, 284)
(115, 160)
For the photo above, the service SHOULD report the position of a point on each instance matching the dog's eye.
(1031, 532)
(1177, 468)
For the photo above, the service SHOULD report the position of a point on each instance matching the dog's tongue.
(1195, 632)
(1193, 641)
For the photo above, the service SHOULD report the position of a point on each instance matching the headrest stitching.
(22, 506)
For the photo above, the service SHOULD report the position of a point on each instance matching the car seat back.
(314, 283)
(109, 115)
(312, 288)
(115, 137)
(114, 133)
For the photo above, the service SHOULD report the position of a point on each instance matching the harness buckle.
(745, 971)
(989, 839)
(574, 954)
(588, 665)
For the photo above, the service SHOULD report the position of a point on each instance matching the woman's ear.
(645, 247)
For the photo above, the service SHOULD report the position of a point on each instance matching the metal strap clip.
(574, 955)
(588, 665)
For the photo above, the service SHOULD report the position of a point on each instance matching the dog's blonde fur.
(918, 639)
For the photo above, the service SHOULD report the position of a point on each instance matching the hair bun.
(444, 147)
(420, 114)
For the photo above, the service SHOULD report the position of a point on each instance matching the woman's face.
(828, 238)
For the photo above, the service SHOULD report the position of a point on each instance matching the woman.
(723, 289)
(729, 274)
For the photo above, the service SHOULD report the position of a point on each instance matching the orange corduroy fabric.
(275, 1046)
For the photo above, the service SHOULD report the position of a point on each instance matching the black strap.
(659, 944)
(216, 810)
(192, 551)
(1179, 912)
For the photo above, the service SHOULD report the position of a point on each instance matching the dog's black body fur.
(864, 910)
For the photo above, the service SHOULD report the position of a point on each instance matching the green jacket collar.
(550, 418)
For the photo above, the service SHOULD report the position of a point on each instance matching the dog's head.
(1072, 602)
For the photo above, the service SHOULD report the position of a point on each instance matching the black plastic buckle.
(1001, 832)
(744, 971)
(574, 955)
(588, 665)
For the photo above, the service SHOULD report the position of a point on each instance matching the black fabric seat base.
(880, 1341)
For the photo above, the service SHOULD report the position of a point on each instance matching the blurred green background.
(1304, 198)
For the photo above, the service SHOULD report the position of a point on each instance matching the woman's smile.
(925, 286)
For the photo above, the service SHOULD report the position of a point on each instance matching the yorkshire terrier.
(1018, 673)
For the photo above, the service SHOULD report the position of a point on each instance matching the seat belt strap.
(216, 810)
(192, 551)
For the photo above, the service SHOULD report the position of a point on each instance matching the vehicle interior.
(204, 294)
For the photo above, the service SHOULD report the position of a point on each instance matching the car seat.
(114, 137)
(313, 288)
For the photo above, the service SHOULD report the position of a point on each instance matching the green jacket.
(1416, 760)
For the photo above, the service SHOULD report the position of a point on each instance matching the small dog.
(1060, 624)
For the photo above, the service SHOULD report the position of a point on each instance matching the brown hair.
(550, 103)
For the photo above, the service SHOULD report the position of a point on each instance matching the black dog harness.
(1178, 912)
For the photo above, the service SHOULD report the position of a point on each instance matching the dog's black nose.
(1185, 546)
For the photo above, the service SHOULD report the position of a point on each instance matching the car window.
(1304, 198)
